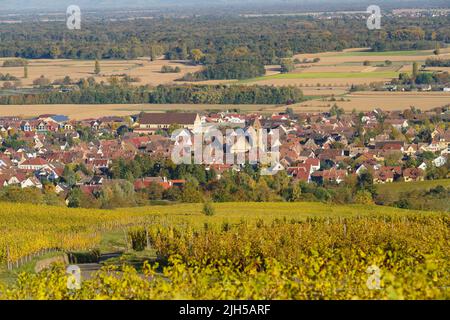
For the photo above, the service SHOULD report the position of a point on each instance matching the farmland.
(341, 69)
(360, 101)
(251, 250)
(148, 72)
(389, 101)
(80, 111)
(332, 75)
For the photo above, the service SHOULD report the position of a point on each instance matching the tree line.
(89, 92)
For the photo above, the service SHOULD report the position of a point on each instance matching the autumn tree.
(196, 55)
(437, 50)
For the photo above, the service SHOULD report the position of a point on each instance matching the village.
(321, 148)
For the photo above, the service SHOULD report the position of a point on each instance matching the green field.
(329, 75)
(395, 189)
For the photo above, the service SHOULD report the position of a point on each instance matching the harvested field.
(147, 71)
(366, 101)
(342, 69)
(95, 111)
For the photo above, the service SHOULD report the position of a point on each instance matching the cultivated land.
(87, 111)
(367, 101)
(48, 227)
(341, 69)
(148, 71)
(361, 101)
(331, 76)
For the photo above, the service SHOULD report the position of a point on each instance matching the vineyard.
(244, 251)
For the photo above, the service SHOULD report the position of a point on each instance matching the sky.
(114, 4)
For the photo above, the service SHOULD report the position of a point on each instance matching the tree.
(296, 193)
(415, 70)
(363, 197)
(41, 81)
(437, 50)
(290, 112)
(55, 52)
(191, 194)
(196, 55)
(287, 66)
(155, 191)
(97, 67)
(25, 71)
(74, 198)
(336, 111)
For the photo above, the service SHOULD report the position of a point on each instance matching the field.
(332, 75)
(367, 101)
(243, 251)
(144, 69)
(341, 69)
(396, 189)
(81, 111)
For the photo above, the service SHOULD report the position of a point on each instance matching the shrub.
(138, 239)
(208, 209)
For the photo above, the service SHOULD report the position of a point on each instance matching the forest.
(229, 47)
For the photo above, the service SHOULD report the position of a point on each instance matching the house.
(31, 182)
(332, 175)
(148, 123)
(272, 170)
(383, 177)
(413, 174)
(300, 172)
(314, 163)
(144, 183)
(423, 166)
(439, 161)
(398, 124)
(33, 164)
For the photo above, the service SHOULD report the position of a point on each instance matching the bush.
(138, 239)
(15, 63)
(363, 197)
(208, 209)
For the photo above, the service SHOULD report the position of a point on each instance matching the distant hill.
(310, 5)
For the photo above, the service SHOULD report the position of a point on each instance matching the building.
(33, 164)
(150, 122)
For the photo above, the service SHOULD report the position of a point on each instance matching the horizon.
(302, 5)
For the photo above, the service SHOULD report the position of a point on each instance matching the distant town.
(321, 148)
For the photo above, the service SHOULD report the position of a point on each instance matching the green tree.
(97, 69)
(415, 70)
(155, 191)
(296, 193)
